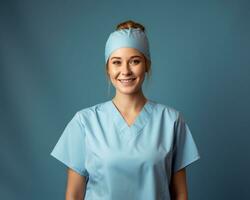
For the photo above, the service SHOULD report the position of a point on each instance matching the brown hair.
(132, 24)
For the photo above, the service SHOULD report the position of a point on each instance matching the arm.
(178, 186)
(75, 189)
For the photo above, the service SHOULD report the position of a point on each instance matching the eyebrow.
(120, 57)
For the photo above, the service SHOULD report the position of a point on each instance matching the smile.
(127, 80)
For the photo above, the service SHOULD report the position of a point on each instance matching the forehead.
(126, 52)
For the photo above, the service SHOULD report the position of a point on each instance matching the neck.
(129, 103)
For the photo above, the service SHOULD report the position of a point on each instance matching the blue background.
(52, 65)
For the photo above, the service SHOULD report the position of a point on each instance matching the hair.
(132, 24)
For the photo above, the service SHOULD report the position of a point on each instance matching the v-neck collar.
(140, 120)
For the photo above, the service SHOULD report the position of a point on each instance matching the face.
(126, 69)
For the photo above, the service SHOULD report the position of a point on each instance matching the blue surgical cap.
(132, 37)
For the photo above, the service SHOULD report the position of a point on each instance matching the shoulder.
(90, 112)
(166, 110)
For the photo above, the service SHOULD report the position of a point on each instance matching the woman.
(129, 147)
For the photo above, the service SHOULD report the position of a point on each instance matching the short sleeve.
(185, 150)
(70, 148)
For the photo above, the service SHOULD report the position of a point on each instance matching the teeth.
(126, 80)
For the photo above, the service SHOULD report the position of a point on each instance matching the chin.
(128, 91)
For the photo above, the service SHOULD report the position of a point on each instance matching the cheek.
(113, 73)
(140, 71)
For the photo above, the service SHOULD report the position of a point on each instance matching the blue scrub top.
(126, 162)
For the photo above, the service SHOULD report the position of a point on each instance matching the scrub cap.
(132, 37)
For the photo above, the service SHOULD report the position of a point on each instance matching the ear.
(146, 66)
(107, 68)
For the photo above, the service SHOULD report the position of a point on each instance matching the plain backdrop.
(52, 65)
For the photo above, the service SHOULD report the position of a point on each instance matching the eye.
(116, 62)
(136, 61)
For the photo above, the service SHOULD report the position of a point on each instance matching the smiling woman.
(129, 147)
(126, 70)
(129, 25)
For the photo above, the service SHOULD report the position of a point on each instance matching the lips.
(127, 80)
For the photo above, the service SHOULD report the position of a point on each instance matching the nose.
(126, 69)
